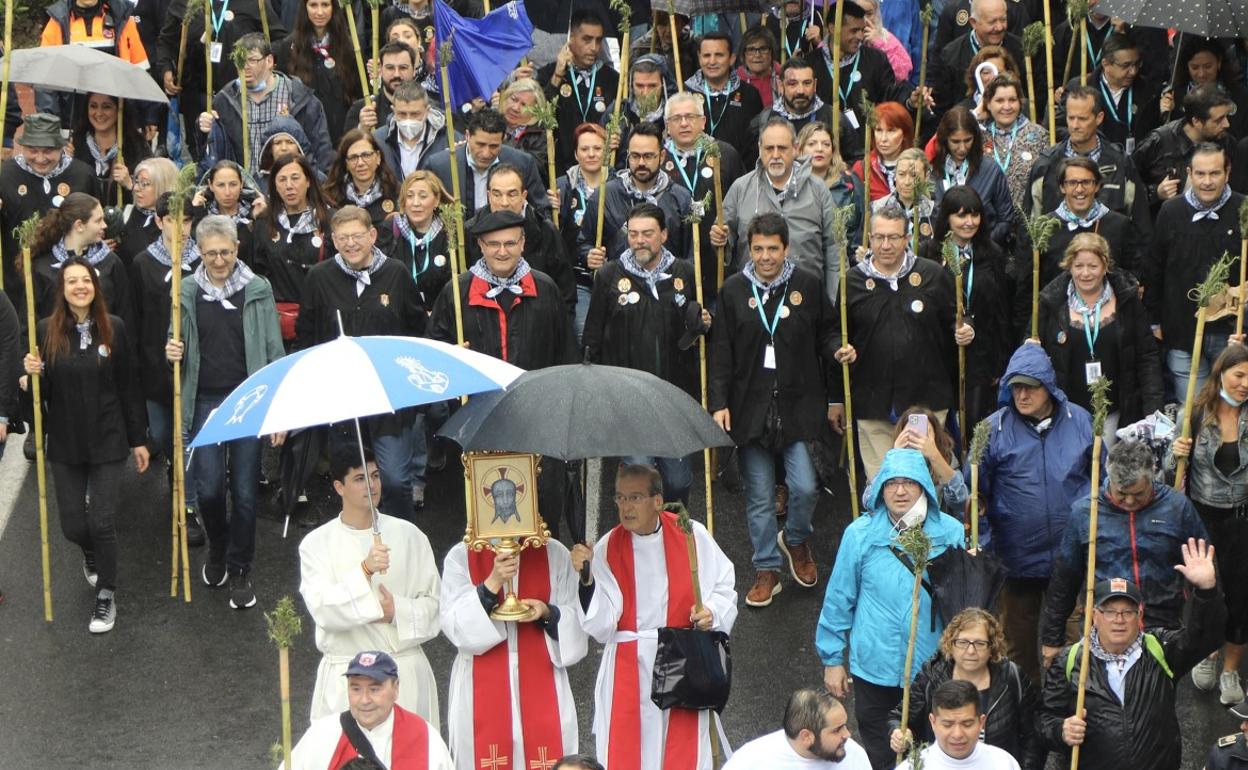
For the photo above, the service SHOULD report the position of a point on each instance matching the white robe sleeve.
(464, 621)
(717, 577)
(572, 644)
(316, 746)
(336, 604)
(603, 616)
(439, 755)
(416, 607)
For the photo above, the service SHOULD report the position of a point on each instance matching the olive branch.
(1099, 390)
(1033, 38)
(451, 214)
(1215, 282)
(1076, 10)
(926, 15)
(624, 10)
(979, 442)
(697, 210)
(1243, 217)
(917, 545)
(1040, 229)
(867, 108)
(952, 259)
(25, 232)
(284, 623)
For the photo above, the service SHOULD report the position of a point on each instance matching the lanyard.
(589, 94)
(851, 79)
(974, 43)
(218, 21)
(775, 319)
(690, 182)
(584, 198)
(1010, 153)
(710, 108)
(801, 35)
(1109, 105)
(969, 274)
(1087, 325)
(1094, 56)
(423, 244)
(962, 171)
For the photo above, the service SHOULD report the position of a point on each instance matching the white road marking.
(13, 469)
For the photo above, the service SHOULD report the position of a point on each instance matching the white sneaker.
(104, 617)
(1232, 690)
(1205, 674)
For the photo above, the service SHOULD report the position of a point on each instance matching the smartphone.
(917, 423)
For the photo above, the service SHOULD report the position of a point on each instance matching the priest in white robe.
(510, 703)
(369, 595)
(373, 726)
(640, 582)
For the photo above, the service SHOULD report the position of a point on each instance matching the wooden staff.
(4, 85)
(697, 210)
(1099, 390)
(837, 22)
(925, 18)
(979, 442)
(1075, 9)
(784, 35)
(359, 57)
(840, 234)
(25, 237)
(264, 19)
(1243, 259)
(1033, 38)
(192, 8)
(625, 12)
(917, 545)
(953, 263)
(240, 61)
(1040, 229)
(185, 183)
(374, 9)
(719, 219)
(284, 625)
(671, 22)
(613, 129)
(921, 189)
(1214, 284)
(544, 115)
(1048, 72)
(454, 210)
(121, 145)
(1083, 51)
(208, 53)
(868, 128)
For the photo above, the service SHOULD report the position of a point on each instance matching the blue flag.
(485, 50)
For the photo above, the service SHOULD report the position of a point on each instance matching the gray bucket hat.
(42, 130)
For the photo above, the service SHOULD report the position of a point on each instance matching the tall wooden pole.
(359, 57)
(1214, 284)
(697, 210)
(918, 546)
(181, 555)
(925, 18)
(840, 227)
(1048, 69)
(835, 45)
(457, 225)
(26, 232)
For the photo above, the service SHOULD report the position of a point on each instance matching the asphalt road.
(188, 686)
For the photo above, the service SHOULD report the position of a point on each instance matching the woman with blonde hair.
(972, 649)
(517, 103)
(418, 237)
(815, 142)
(1092, 321)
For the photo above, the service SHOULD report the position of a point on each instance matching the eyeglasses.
(143, 184)
(497, 245)
(634, 498)
(1078, 183)
(1119, 614)
(756, 50)
(896, 483)
(215, 255)
(360, 156)
(1127, 65)
(254, 60)
(643, 156)
(684, 118)
(887, 237)
(351, 237)
(963, 644)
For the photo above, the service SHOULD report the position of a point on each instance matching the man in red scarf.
(373, 727)
(640, 581)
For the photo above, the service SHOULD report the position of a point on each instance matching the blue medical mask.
(1227, 398)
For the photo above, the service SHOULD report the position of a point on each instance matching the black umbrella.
(299, 457)
(691, 8)
(1210, 18)
(580, 411)
(961, 579)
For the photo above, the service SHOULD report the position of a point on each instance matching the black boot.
(195, 537)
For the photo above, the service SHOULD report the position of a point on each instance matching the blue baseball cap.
(375, 665)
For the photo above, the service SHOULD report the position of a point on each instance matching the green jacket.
(262, 336)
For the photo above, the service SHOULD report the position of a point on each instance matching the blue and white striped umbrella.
(351, 377)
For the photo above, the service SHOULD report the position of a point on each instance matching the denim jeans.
(160, 428)
(758, 471)
(394, 455)
(1179, 364)
(676, 473)
(231, 538)
(582, 310)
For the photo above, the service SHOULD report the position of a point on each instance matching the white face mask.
(915, 516)
(410, 129)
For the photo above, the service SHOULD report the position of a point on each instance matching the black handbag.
(773, 426)
(692, 669)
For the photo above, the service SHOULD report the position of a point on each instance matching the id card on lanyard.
(1092, 369)
(769, 352)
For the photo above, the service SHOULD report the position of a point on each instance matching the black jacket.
(110, 274)
(11, 352)
(1013, 701)
(286, 258)
(804, 345)
(327, 83)
(875, 78)
(389, 305)
(1122, 190)
(576, 105)
(138, 231)
(955, 22)
(643, 334)
(697, 169)
(226, 138)
(543, 250)
(1180, 256)
(533, 333)
(1144, 113)
(728, 116)
(1143, 734)
(1137, 385)
(150, 291)
(947, 73)
(1166, 152)
(673, 199)
(92, 399)
(433, 140)
(428, 264)
(440, 164)
(1126, 244)
(904, 340)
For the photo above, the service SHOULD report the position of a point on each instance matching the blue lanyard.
(970, 273)
(424, 244)
(710, 109)
(697, 163)
(1087, 326)
(218, 21)
(589, 94)
(775, 319)
(1094, 56)
(854, 71)
(1109, 105)
(584, 197)
(974, 43)
(1009, 154)
(962, 169)
(801, 35)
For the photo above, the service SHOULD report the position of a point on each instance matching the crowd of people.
(799, 233)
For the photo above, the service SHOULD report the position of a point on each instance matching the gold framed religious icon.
(502, 513)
